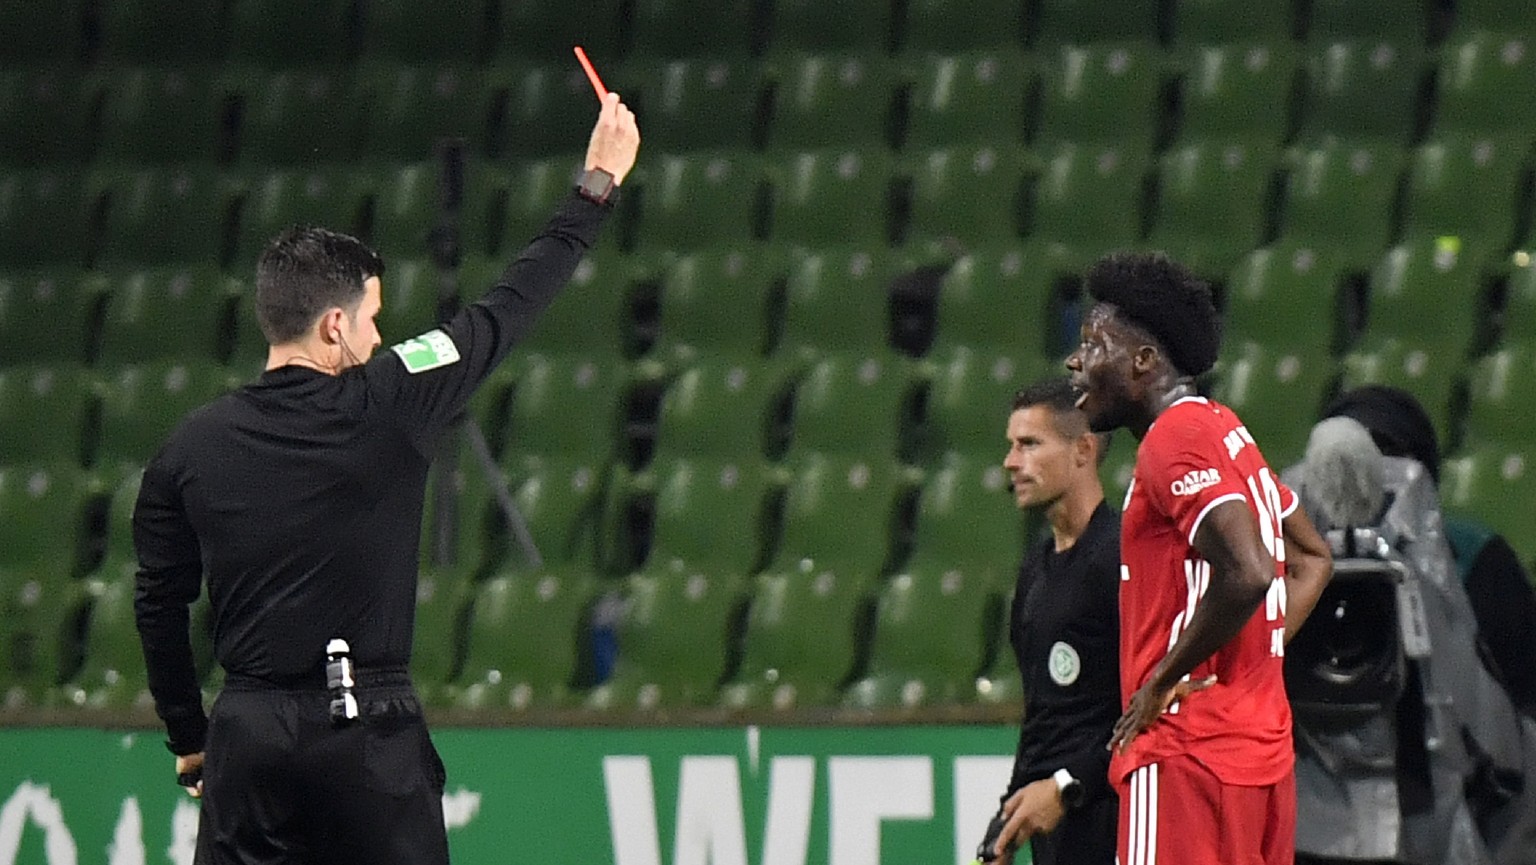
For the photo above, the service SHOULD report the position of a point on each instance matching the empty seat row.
(1097, 93)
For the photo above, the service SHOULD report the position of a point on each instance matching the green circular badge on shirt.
(1064, 664)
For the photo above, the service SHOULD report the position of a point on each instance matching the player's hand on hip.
(191, 765)
(1033, 809)
(615, 139)
(1147, 705)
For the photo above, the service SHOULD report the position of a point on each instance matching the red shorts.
(1175, 812)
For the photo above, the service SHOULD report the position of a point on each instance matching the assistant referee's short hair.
(1163, 298)
(1056, 393)
(305, 271)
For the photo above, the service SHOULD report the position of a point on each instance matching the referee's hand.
(190, 767)
(615, 139)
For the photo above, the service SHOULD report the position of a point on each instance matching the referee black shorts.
(281, 784)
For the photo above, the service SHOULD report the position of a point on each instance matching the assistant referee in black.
(1065, 631)
(299, 499)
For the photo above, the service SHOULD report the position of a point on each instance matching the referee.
(299, 498)
(1065, 632)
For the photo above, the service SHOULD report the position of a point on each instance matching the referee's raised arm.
(429, 378)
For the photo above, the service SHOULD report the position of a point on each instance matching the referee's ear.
(1085, 450)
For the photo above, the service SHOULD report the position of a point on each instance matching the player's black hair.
(1057, 394)
(305, 271)
(1163, 298)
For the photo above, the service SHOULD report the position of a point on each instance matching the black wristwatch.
(596, 185)
(1070, 789)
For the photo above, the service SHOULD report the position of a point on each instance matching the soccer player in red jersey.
(1219, 567)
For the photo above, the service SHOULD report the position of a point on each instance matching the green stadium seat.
(699, 200)
(158, 116)
(1340, 194)
(42, 32)
(43, 412)
(118, 541)
(966, 516)
(1285, 296)
(1100, 93)
(44, 217)
(1217, 22)
(38, 639)
(1239, 91)
(714, 303)
(1361, 89)
(809, 25)
(719, 408)
(972, 192)
(157, 31)
(45, 315)
(830, 100)
(411, 108)
(407, 206)
(290, 32)
(1089, 199)
(799, 643)
(397, 29)
(1428, 293)
(43, 507)
(1482, 80)
(674, 638)
(1084, 21)
(1211, 202)
(1446, 175)
(699, 104)
(833, 196)
(1001, 684)
(524, 639)
(166, 216)
(1116, 471)
(166, 313)
(1513, 16)
(1431, 371)
(550, 109)
(837, 517)
(974, 97)
(838, 301)
(47, 115)
(1503, 385)
(545, 31)
(565, 406)
(112, 675)
(275, 200)
(958, 25)
(140, 405)
(409, 300)
(709, 514)
(1278, 391)
(996, 302)
(442, 607)
(970, 398)
(911, 662)
(1404, 21)
(686, 28)
(1519, 313)
(560, 498)
(1496, 485)
(588, 318)
(301, 118)
(850, 406)
(535, 187)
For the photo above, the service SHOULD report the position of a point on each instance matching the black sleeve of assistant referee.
(427, 383)
(169, 579)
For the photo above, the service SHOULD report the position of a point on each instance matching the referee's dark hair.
(1057, 394)
(1163, 298)
(305, 271)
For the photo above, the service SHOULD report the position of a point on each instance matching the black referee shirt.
(1065, 631)
(300, 495)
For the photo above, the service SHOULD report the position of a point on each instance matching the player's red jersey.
(1196, 456)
